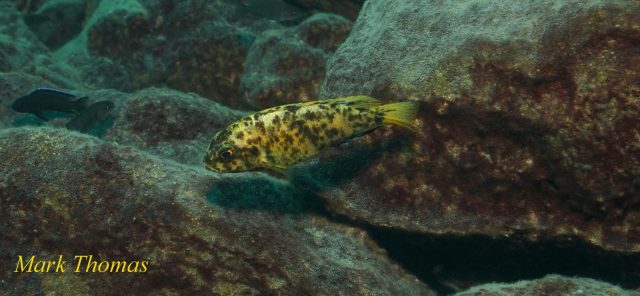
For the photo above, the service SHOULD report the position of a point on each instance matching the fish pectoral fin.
(277, 172)
(350, 138)
(276, 167)
(281, 169)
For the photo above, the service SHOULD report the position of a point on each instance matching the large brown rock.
(188, 45)
(288, 65)
(529, 123)
(63, 193)
(165, 122)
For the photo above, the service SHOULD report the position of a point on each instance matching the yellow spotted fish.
(278, 137)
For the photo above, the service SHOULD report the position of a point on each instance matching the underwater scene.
(308, 147)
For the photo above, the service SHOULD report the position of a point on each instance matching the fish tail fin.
(81, 104)
(401, 114)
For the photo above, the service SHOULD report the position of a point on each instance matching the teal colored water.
(476, 147)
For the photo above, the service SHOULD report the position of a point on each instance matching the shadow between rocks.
(261, 192)
(450, 263)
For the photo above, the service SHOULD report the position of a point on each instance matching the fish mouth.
(211, 167)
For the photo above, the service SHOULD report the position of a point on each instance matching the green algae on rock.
(67, 193)
(549, 285)
(529, 123)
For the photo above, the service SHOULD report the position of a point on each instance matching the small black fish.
(46, 99)
(91, 117)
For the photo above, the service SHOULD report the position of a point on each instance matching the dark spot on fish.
(292, 108)
(332, 132)
(240, 135)
(260, 126)
(254, 140)
(254, 151)
(276, 120)
(310, 115)
(288, 138)
(379, 119)
(287, 115)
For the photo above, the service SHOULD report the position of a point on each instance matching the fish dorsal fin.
(48, 91)
(356, 101)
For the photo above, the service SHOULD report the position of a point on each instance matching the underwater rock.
(288, 65)
(18, 45)
(346, 8)
(529, 123)
(27, 6)
(57, 21)
(549, 285)
(166, 122)
(22, 51)
(186, 45)
(68, 194)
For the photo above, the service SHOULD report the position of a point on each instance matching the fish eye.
(226, 153)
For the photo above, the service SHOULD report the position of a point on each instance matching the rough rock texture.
(196, 46)
(288, 65)
(56, 21)
(347, 8)
(18, 45)
(166, 122)
(529, 123)
(186, 45)
(67, 193)
(551, 285)
(22, 51)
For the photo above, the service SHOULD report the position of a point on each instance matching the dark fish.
(46, 99)
(91, 117)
